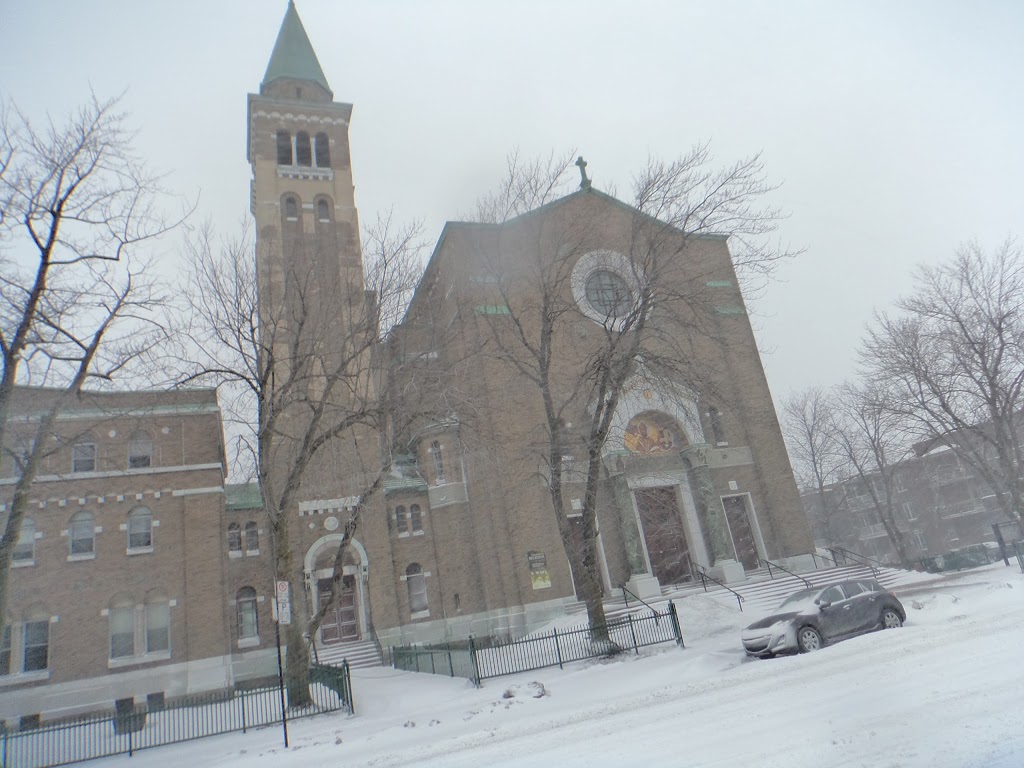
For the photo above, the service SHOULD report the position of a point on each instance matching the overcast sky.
(895, 128)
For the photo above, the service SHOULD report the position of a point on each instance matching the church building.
(141, 573)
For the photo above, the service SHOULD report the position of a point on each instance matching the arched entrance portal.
(346, 621)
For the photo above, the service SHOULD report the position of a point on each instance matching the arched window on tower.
(291, 208)
(435, 450)
(252, 538)
(247, 618)
(284, 148)
(323, 210)
(415, 518)
(322, 149)
(416, 581)
(303, 152)
(401, 521)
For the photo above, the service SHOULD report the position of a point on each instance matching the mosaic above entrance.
(650, 433)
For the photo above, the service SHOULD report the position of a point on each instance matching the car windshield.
(798, 599)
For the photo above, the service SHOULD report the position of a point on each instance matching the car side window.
(853, 588)
(870, 586)
(831, 595)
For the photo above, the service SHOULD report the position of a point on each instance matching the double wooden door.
(664, 534)
(341, 622)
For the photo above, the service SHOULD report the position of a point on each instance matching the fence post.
(636, 647)
(348, 687)
(675, 624)
(241, 698)
(472, 658)
(558, 650)
(130, 748)
(451, 666)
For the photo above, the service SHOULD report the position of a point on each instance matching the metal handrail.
(705, 578)
(816, 555)
(770, 564)
(626, 599)
(863, 558)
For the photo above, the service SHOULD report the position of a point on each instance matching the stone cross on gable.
(582, 165)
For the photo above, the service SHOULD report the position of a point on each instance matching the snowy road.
(946, 690)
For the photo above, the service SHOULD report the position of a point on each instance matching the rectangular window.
(158, 628)
(140, 531)
(417, 593)
(122, 632)
(83, 457)
(717, 433)
(25, 550)
(5, 652)
(37, 645)
(247, 626)
(83, 536)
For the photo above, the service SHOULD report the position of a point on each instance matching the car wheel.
(808, 639)
(891, 619)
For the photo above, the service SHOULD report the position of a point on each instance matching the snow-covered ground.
(946, 690)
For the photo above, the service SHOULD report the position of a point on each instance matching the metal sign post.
(283, 606)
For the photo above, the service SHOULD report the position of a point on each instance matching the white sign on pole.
(284, 603)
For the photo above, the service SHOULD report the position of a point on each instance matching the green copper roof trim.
(293, 54)
(243, 496)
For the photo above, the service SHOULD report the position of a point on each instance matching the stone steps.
(761, 592)
(358, 654)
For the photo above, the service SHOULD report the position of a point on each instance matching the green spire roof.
(293, 54)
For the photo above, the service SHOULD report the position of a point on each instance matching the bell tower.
(302, 195)
(312, 304)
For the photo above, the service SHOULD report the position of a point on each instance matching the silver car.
(812, 618)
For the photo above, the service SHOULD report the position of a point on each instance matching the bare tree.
(76, 302)
(875, 441)
(819, 462)
(654, 318)
(295, 351)
(953, 360)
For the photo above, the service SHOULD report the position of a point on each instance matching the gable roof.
(293, 55)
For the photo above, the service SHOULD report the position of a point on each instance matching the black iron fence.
(556, 648)
(127, 730)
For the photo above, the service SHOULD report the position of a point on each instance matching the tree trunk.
(297, 671)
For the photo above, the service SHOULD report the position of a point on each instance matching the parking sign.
(284, 603)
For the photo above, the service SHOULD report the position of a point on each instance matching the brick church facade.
(143, 573)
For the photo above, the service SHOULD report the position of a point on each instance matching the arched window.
(401, 521)
(435, 451)
(83, 455)
(140, 529)
(417, 584)
(234, 537)
(284, 148)
(122, 626)
(323, 210)
(158, 622)
(252, 537)
(36, 649)
(248, 623)
(322, 149)
(140, 451)
(82, 534)
(303, 153)
(25, 549)
(291, 208)
(415, 518)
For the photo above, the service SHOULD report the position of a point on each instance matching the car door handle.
(847, 607)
